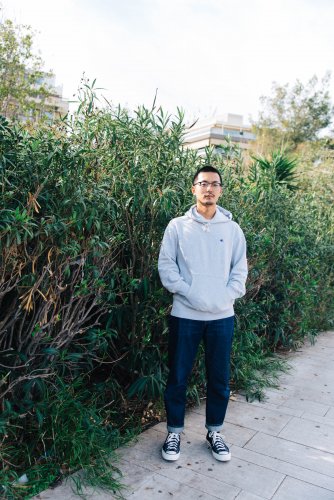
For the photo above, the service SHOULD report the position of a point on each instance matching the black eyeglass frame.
(205, 184)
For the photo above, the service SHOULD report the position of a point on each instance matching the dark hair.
(207, 168)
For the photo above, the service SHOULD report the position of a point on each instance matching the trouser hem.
(177, 430)
(214, 428)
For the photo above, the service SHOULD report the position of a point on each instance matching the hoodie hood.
(221, 215)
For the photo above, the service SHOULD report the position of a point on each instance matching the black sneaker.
(218, 447)
(171, 447)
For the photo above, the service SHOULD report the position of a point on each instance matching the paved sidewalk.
(282, 449)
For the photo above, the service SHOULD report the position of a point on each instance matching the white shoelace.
(218, 441)
(173, 440)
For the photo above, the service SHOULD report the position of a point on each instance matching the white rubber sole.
(169, 457)
(220, 458)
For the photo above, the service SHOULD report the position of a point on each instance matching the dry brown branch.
(55, 312)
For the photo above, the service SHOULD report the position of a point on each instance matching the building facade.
(48, 107)
(54, 105)
(214, 132)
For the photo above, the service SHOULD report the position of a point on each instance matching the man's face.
(207, 195)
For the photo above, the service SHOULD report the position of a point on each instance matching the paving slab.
(285, 410)
(305, 405)
(282, 448)
(163, 488)
(305, 390)
(330, 413)
(257, 418)
(289, 452)
(136, 455)
(318, 381)
(327, 419)
(245, 495)
(292, 489)
(215, 486)
(134, 474)
(313, 434)
(288, 469)
(248, 476)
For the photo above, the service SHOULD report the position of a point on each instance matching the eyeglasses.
(205, 184)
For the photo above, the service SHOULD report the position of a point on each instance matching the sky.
(208, 57)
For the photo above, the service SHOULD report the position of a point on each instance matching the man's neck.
(206, 211)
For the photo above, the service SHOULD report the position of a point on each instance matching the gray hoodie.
(203, 263)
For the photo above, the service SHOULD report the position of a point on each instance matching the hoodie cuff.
(185, 289)
(233, 294)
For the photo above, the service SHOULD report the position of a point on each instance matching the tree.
(22, 87)
(291, 116)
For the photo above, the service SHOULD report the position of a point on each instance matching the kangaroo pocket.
(208, 293)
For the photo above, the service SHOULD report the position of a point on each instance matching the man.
(203, 263)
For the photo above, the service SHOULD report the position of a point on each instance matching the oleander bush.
(83, 331)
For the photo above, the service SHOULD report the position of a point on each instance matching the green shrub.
(83, 332)
(67, 429)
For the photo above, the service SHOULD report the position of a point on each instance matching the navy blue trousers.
(185, 336)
